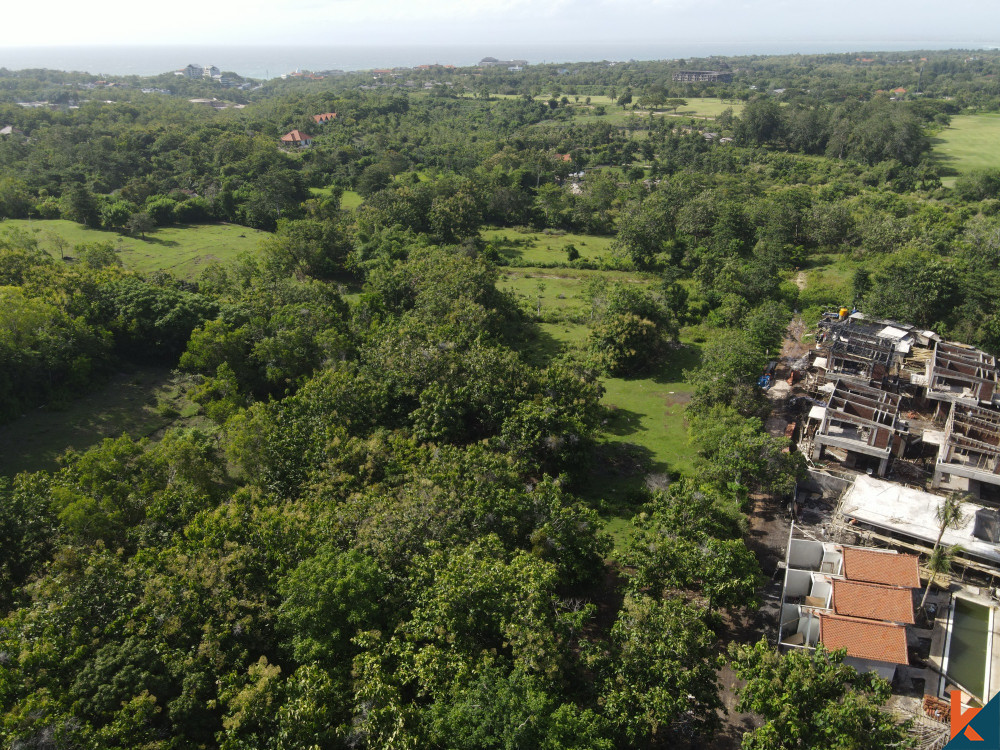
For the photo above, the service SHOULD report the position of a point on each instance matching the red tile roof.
(295, 136)
(872, 602)
(325, 116)
(864, 639)
(887, 568)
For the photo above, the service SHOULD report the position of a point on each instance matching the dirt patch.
(800, 280)
(793, 346)
(673, 399)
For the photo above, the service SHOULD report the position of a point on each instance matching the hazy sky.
(380, 22)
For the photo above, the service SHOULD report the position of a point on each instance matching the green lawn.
(139, 403)
(559, 290)
(542, 249)
(348, 199)
(707, 107)
(828, 282)
(645, 433)
(181, 250)
(971, 142)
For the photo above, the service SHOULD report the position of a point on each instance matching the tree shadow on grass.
(945, 163)
(538, 347)
(621, 422)
(676, 361)
(615, 482)
(150, 239)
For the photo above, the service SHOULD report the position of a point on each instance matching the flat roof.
(864, 639)
(872, 602)
(881, 566)
(913, 513)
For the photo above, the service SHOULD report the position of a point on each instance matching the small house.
(296, 138)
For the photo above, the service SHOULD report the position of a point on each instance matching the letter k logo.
(960, 719)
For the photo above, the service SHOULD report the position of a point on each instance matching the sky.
(415, 22)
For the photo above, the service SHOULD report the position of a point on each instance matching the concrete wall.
(798, 583)
(822, 587)
(827, 484)
(805, 554)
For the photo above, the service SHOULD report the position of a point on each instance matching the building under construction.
(860, 422)
(959, 373)
(969, 456)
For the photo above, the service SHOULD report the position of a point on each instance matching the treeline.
(380, 544)
(64, 328)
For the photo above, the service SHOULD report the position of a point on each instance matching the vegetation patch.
(969, 143)
(138, 403)
(182, 250)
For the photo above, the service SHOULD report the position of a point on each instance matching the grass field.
(645, 433)
(541, 249)
(139, 403)
(181, 250)
(696, 106)
(559, 290)
(348, 199)
(971, 142)
(708, 107)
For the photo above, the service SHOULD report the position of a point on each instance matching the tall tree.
(811, 699)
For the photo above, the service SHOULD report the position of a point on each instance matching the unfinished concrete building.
(859, 427)
(890, 513)
(969, 457)
(855, 349)
(958, 373)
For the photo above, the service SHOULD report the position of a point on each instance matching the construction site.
(895, 423)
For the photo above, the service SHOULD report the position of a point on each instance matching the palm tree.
(939, 562)
(950, 516)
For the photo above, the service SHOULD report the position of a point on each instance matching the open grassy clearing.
(139, 403)
(829, 281)
(971, 142)
(182, 250)
(525, 248)
(645, 434)
(559, 291)
(348, 199)
(707, 106)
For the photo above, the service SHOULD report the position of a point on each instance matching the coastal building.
(492, 62)
(703, 76)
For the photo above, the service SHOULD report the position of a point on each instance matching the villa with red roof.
(296, 138)
(852, 598)
(325, 117)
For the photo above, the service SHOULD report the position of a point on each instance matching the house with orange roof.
(854, 598)
(296, 138)
(324, 118)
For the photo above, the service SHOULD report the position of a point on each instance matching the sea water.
(273, 61)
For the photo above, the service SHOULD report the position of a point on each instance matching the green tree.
(736, 451)
(811, 699)
(116, 214)
(140, 223)
(661, 677)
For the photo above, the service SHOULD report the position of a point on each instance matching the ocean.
(273, 61)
